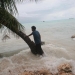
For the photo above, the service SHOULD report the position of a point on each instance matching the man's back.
(36, 36)
(37, 39)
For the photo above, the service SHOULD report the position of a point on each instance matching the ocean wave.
(25, 60)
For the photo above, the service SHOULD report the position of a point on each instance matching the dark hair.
(33, 27)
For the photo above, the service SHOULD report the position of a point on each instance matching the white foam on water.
(12, 44)
(25, 60)
(59, 48)
(74, 39)
(56, 51)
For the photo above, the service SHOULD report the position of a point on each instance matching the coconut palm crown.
(7, 9)
(9, 5)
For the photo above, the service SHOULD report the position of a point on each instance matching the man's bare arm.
(30, 34)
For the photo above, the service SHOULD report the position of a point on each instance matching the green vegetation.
(7, 10)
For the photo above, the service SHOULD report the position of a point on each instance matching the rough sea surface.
(15, 56)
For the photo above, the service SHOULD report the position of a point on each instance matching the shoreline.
(25, 63)
(63, 69)
(11, 53)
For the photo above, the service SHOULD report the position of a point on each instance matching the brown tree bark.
(5, 18)
(30, 43)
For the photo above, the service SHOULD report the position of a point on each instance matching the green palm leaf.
(9, 5)
(7, 9)
(6, 19)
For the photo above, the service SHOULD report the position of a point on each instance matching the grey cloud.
(63, 6)
(52, 10)
(28, 19)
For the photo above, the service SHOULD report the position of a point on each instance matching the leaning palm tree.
(7, 9)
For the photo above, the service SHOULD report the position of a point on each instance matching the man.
(37, 39)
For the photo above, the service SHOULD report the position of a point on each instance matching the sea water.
(59, 48)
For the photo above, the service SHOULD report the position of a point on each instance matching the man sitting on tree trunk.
(37, 39)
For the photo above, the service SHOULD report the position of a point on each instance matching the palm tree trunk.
(5, 20)
(30, 43)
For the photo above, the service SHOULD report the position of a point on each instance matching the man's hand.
(27, 36)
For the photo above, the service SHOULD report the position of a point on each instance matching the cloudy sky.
(46, 10)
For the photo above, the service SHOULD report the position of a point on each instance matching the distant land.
(71, 18)
(43, 21)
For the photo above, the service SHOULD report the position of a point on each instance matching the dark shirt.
(36, 36)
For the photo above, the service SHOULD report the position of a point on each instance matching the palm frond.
(6, 19)
(9, 5)
(1, 27)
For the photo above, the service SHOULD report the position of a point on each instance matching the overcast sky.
(46, 10)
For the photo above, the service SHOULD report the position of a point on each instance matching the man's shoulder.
(35, 31)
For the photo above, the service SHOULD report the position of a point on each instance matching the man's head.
(33, 28)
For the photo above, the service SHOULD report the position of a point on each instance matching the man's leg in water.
(39, 49)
